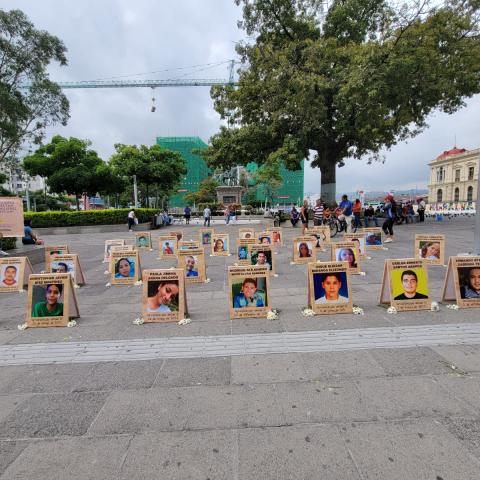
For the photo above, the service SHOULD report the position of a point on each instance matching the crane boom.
(144, 83)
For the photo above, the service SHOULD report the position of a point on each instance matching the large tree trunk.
(328, 182)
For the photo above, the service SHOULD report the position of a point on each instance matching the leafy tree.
(25, 54)
(68, 165)
(268, 176)
(207, 192)
(153, 166)
(345, 83)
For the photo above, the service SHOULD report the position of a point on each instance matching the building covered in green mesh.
(290, 192)
(197, 169)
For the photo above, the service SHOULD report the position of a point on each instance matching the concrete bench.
(35, 253)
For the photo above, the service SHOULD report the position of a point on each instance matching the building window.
(470, 172)
(470, 193)
(457, 175)
(439, 195)
(456, 197)
(440, 174)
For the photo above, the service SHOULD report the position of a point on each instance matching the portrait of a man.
(409, 280)
(9, 277)
(469, 283)
(329, 288)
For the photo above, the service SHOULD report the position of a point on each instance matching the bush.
(8, 243)
(89, 217)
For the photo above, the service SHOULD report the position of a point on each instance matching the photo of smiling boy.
(409, 281)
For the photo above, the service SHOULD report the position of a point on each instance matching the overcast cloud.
(110, 38)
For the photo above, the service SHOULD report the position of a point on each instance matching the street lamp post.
(135, 191)
(476, 241)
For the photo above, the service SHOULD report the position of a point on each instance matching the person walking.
(345, 209)
(207, 214)
(226, 212)
(421, 209)
(390, 209)
(304, 216)
(187, 212)
(318, 210)
(294, 216)
(357, 211)
(131, 219)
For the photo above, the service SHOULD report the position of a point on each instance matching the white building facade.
(454, 177)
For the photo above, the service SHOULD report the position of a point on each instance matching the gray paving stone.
(467, 431)
(465, 357)
(181, 455)
(422, 450)
(409, 361)
(322, 402)
(464, 388)
(9, 451)
(8, 404)
(308, 452)
(194, 371)
(75, 458)
(52, 415)
(402, 397)
(268, 368)
(331, 365)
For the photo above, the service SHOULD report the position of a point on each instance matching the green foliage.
(25, 55)
(8, 243)
(89, 217)
(365, 78)
(70, 167)
(268, 176)
(206, 193)
(153, 166)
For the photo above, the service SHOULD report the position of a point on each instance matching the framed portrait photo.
(143, 240)
(346, 252)
(462, 282)
(68, 263)
(164, 297)
(167, 247)
(329, 289)
(247, 233)
(55, 250)
(359, 239)
(405, 285)
(51, 300)
(244, 246)
(430, 249)
(248, 288)
(14, 273)
(220, 244)
(373, 238)
(205, 236)
(263, 255)
(125, 268)
(277, 235)
(192, 263)
(321, 234)
(304, 249)
(108, 248)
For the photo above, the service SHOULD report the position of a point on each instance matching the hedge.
(89, 217)
(8, 243)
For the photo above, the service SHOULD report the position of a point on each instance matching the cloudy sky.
(120, 38)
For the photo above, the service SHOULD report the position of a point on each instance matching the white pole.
(135, 191)
(27, 193)
(476, 241)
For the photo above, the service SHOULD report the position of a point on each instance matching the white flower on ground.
(391, 310)
(23, 326)
(452, 306)
(138, 321)
(272, 314)
(358, 310)
(106, 272)
(207, 280)
(138, 283)
(185, 321)
(108, 284)
(308, 312)
(72, 323)
(434, 307)
(363, 273)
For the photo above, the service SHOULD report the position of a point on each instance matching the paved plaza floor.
(373, 396)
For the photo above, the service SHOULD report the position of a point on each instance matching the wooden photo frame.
(143, 240)
(192, 263)
(249, 291)
(462, 282)
(220, 245)
(329, 288)
(359, 239)
(277, 235)
(405, 285)
(263, 255)
(321, 234)
(244, 246)
(108, 247)
(11, 217)
(178, 234)
(51, 300)
(430, 249)
(188, 245)
(14, 273)
(246, 233)
(125, 268)
(164, 296)
(304, 249)
(205, 236)
(264, 238)
(55, 250)
(167, 247)
(69, 263)
(373, 238)
(346, 252)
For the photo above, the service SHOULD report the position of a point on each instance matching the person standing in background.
(207, 214)
(318, 210)
(421, 209)
(187, 212)
(357, 211)
(390, 213)
(304, 216)
(131, 219)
